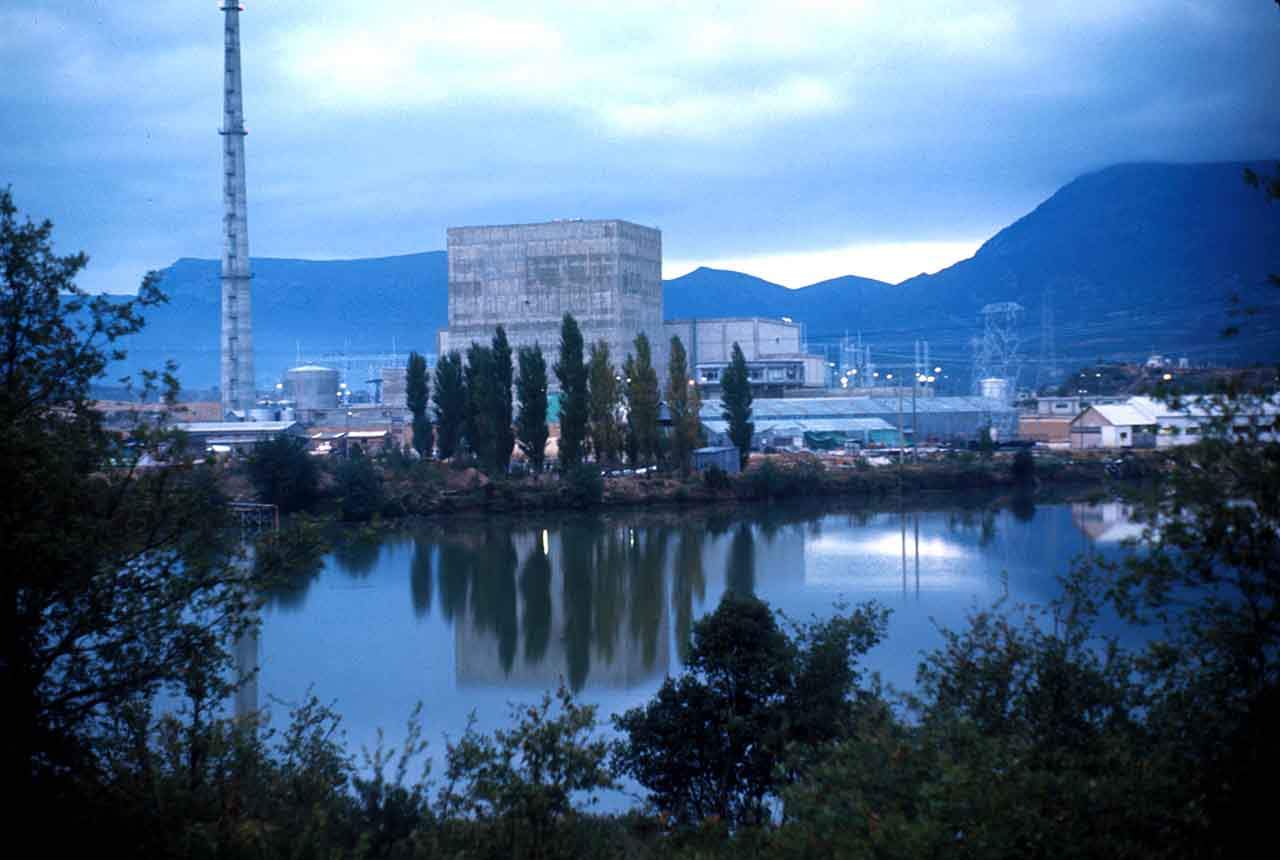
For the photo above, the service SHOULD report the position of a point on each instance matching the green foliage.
(359, 486)
(986, 442)
(605, 400)
(284, 474)
(1024, 466)
(531, 389)
(584, 485)
(482, 398)
(708, 744)
(716, 479)
(736, 396)
(450, 398)
(685, 404)
(119, 581)
(574, 404)
(504, 439)
(417, 391)
(642, 403)
(774, 482)
(520, 784)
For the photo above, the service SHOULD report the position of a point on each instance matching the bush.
(284, 474)
(360, 487)
(1024, 466)
(584, 485)
(716, 478)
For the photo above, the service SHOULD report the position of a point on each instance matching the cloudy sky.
(795, 140)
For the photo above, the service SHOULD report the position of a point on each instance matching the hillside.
(1136, 258)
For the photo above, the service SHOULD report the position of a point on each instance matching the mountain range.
(1130, 260)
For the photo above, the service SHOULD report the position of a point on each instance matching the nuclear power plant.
(239, 394)
(526, 277)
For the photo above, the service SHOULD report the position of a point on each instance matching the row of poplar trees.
(605, 412)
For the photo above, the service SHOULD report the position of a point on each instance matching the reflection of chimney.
(238, 392)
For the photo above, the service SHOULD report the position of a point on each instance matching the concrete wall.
(712, 340)
(526, 277)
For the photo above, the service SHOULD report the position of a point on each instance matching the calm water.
(475, 614)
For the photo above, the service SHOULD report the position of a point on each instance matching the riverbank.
(433, 489)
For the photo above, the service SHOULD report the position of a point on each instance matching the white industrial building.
(773, 348)
(1145, 422)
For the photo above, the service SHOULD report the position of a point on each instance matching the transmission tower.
(996, 351)
(1047, 370)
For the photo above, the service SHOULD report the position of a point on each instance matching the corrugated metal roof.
(815, 425)
(812, 408)
(236, 426)
(1123, 415)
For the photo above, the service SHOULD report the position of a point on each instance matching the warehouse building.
(824, 422)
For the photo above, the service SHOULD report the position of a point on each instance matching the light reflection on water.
(471, 615)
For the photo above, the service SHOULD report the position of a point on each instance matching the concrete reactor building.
(526, 277)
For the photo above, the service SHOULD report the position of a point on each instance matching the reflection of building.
(627, 617)
(1109, 522)
(526, 277)
(774, 350)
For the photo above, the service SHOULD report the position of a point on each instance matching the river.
(469, 615)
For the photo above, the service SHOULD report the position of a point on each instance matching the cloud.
(804, 134)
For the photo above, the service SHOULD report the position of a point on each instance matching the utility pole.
(237, 378)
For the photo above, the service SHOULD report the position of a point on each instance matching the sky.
(796, 141)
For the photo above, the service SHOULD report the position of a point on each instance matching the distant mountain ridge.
(1133, 258)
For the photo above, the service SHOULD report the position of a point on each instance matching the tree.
(450, 398)
(531, 390)
(504, 436)
(571, 370)
(605, 398)
(284, 474)
(684, 402)
(118, 582)
(736, 398)
(642, 402)
(417, 390)
(710, 741)
(360, 487)
(482, 406)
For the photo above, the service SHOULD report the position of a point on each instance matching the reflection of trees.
(740, 574)
(493, 592)
(358, 556)
(577, 543)
(611, 559)
(420, 584)
(647, 592)
(690, 583)
(1023, 505)
(535, 593)
(455, 573)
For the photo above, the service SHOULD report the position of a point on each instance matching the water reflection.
(609, 603)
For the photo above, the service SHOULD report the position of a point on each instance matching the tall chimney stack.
(238, 392)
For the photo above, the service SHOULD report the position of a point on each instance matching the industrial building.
(1145, 422)
(774, 349)
(526, 277)
(239, 437)
(822, 421)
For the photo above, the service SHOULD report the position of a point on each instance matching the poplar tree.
(480, 428)
(504, 436)
(685, 403)
(450, 398)
(571, 370)
(531, 390)
(605, 398)
(642, 402)
(736, 397)
(417, 390)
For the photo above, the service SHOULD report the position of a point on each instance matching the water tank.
(995, 387)
(287, 414)
(262, 414)
(312, 387)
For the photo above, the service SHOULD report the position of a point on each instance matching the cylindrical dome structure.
(995, 387)
(312, 387)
